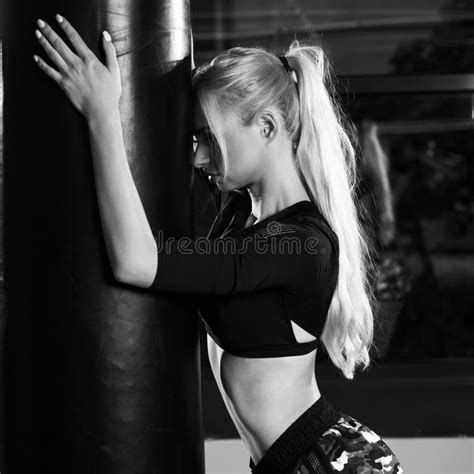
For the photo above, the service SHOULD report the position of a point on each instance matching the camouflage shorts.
(324, 440)
(348, 447)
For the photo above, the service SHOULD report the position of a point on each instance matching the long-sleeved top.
(251, 282)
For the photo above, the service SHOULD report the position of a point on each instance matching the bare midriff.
(263, 396)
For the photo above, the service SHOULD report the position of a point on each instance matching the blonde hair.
(245, 81)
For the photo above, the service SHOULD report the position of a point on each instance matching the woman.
(276, 280)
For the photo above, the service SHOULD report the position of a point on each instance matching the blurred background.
(405, 77)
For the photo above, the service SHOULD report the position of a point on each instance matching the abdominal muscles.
(263, 395)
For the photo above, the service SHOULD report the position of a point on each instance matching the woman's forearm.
(128, 236)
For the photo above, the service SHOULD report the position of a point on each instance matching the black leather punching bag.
(101, 377)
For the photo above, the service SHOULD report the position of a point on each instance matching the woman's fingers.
(75, 38)
(49, 71)
(51, 52)
(110, 54)
(90, 85)
(193, 66)
(56, 42)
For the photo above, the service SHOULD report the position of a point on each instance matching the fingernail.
(106, 36)
(37, 34)
(40, 23)
(35, 58)
(59, 18)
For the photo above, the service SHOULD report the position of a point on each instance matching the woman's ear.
(268, 126)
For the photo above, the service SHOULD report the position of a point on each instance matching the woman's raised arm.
(95, 89)
(130, 242)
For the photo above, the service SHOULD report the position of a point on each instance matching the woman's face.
(243, 151)
(206, 149)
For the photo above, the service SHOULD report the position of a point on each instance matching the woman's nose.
(201, 159)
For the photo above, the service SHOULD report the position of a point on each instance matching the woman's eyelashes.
(204, 137)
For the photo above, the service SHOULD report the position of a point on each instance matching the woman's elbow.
(141, 275)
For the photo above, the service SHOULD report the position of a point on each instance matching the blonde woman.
(277, 281)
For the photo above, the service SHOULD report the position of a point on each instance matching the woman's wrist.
(103, 115)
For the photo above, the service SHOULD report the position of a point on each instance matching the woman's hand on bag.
(92, 87)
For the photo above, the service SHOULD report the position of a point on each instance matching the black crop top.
(251, 282)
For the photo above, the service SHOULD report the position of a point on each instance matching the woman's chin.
(220, 183)
(223, 185)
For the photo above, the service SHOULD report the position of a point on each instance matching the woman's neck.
(276, 191)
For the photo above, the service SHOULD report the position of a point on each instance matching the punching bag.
(100, 377)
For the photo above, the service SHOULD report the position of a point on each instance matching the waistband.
(297, 438)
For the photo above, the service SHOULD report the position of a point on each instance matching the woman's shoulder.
(302, 220)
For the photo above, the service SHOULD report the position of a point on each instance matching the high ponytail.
(245, 81)
(326, 160)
